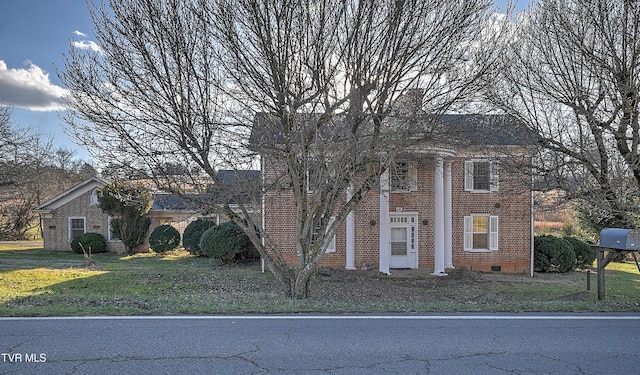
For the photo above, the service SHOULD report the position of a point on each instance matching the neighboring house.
(76, 211)
(464, 206)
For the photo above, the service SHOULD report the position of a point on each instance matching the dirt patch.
(459, 286)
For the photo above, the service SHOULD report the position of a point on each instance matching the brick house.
(76, 211)
(466, 206)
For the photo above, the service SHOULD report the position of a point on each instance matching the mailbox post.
(614, 241)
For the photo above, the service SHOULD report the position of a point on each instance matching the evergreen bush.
(164, 238)
(92, 242)
(585, 255)
(227, 242)
(553, 254)
(192, 234)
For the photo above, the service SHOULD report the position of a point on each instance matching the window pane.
(398, 241)
(480, 241)
(481, 175)
(480, 232)
(77, 227)
(480, 224)
(399, 176)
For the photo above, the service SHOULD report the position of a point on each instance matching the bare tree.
(572, 74)
(329, 93)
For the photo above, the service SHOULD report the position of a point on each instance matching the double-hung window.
(403, 176)
(77, 226)
(111, 235)
(331, 247)
(480, 175)
(480, 233)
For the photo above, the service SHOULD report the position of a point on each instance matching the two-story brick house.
(466, 205)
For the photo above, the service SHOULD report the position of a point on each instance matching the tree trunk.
(300, 286)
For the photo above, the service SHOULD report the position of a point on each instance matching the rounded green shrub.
(91, 242)
(553, 254)
(164, 238)
(227, 242)
(192, 234)
(585, 255)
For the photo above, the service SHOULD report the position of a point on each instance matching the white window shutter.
(493, 233)
(412, 172)
(331, 248)
(468, 175)
(494, 177)
(468, 233)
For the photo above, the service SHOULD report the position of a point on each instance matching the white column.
(383, 225)
(438, 266)
(351, 234)
(448, 232)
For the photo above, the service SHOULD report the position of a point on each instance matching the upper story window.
(480, 175)
(93, 200)
(403, 176)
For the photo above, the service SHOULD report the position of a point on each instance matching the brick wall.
(511, 204)
(56, 228)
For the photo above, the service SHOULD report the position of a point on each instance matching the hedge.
(553, 254)
(92, 242)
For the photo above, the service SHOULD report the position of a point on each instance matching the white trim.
(492, 233)
(71, 194)
(412, 177)
(93, 198)
(494, 175)
(109, 233)
(408, 221)
(383, 224)
(448, 216)
(350, 233)
(331, 247)
(84, 225)
(439, 228)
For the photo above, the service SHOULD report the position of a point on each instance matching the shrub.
(192, 234)
(227, 242)
(164, 238)
(585, 255)
(553, 254)
(92, 242)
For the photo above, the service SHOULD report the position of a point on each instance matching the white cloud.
(86, 44)
(29, 89)
(80, 33)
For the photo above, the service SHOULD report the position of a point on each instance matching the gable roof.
(455, 129)
(479, 129)
(70, 194)
(164, 201)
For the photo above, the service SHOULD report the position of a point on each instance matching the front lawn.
(38, 283)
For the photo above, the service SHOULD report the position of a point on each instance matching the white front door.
(403, 245)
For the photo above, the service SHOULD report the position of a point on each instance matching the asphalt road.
(389, 344)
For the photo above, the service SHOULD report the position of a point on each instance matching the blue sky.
(33, 36)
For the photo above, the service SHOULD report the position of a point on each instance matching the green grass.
(34, 282)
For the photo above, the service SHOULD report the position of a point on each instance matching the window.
(318, 175)
(77, 226)
(403, 176)
(480, 175)
(112, 236)
(93, 200)
(331, 248)
(480, 233)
